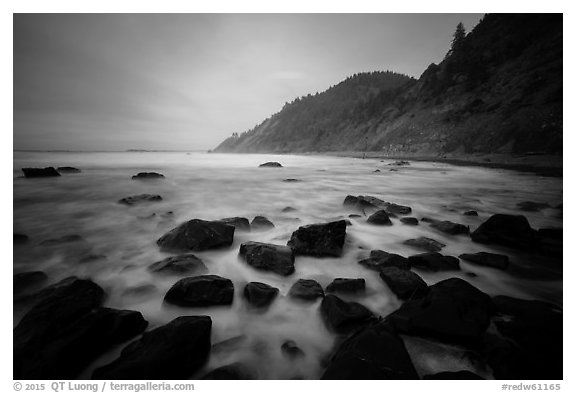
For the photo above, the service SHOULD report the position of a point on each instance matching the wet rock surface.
(425, 243)
(409, 220)
(261, 223)
(68, 169)
(201, 291)
(319, 239)
(506, 230)
(271, 164)
(240, 223)
(379, 260)
(141, 198)
(179, 264)
(148, 176)
(306, 290)
(434, 261)
(198, 235)
(344, 317)
(260, 295)
(268, 257)
(404, 283)
(497, 261)
(347, 285)
(379, 218)
(40, 172)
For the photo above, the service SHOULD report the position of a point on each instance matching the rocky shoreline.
(67, 327)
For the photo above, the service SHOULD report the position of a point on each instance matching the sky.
(188, 81)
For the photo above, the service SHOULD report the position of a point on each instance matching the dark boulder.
(451, 228)
(344, 317)
(453, 311)
(308, 290)
(198, 235)
(234, 371)
(28, 280)
(404, 283)
(425, 243)
(68, 169)
(399, 163)
(291, 180)
(409, 220)
(453, 375)
(393, 208)
(61, 240)
(373, 353)
(319, 240)
(507, 230)
(379, 218)
(172, 351)
(179, 264)
(365, 202)
(359, 203)
(261, 223)
(434, 261)
(347, 285)
(201, 291)
(291, 350)
(530, 206)
(260, 295)
(40, 172)
(379, 260)
(240, 223)
(142, 198)
(489, 259)
(148, 175)
(271, 164)
(20, 238)
(471, 213)
(268, 257)
(551, 241)
(289, 209)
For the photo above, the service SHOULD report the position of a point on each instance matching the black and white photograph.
(287, 196)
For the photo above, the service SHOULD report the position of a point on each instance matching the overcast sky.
(188, 81)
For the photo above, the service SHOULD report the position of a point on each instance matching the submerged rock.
(379, 218)
(198, 235)
(201, 291)
(434, 261)
(172, 351)
(404, 283)
(374, 353)
(235, 371)
(268, 257)
(20, 238)
(471, 213)
(288, 209)
(453, 311)
(261, 223)
(320, 240)
(365, 202)
(425, 243)
(240, 223)
(148, 175)
(308, 290)
(134, 199)
(344, 317)
(291, 350)
(179, 264)
(489, 259)
(291, 180)
(399, 163)
(451, 228)
(68, 169)
(26, 280)
(507, 230)
(259, 294)
(379, 260)
(530, 206)
(409, 220)
(271, 164)
(40, 172)
(61, 240)
(347, 285)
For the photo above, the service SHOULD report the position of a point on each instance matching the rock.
(507, 230)
(434, 261)
(261, 223)
(201, 291)
(68, 169)
(453, 311)
(551, 241)
(393, 170)
(359, 203)
(425, 243)
(288, 209)
(26, 280)
(172, 351)
(347, 285)
(379, 218)
(404, 283)
(374, 353)
(291, 180)
(134, 199)
(20, 238)
(319, 240)
(240, 223)
(271, 165)
(148, 175)
(376, 171)
(308, 290)
(179, 264)
(354, 216)
(40, 172)
(259, 294)
(344, 317)
(268, 257)
(428, 220)
(489, 259)
(451, 228)
(198, 235)
(291, 350)
(381, 259)
(61, 240)
(399, 163)
(409, 220)
(471, 213)
(530, 206)
(58, 306)
(453, 375)
(234, 371)
(80, 343)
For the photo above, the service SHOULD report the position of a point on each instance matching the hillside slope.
(501, 92)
